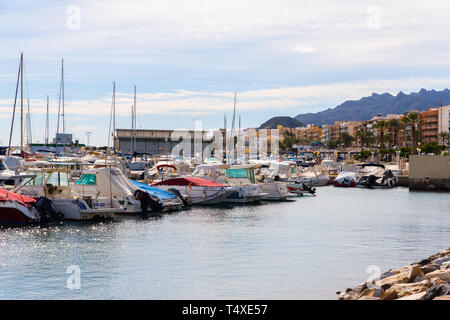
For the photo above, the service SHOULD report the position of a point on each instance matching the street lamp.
(88, 134)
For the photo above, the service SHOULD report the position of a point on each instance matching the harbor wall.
(429, 172)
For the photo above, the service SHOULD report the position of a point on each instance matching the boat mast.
(47, 125)
(15, 103)
(29, 134)
(21, 103)
(114, 115)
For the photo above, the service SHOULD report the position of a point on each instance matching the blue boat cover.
(161, 194)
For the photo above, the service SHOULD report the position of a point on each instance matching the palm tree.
(382, 127)
(412, 119)
(361, 136)
(394, 127)
(445, 137)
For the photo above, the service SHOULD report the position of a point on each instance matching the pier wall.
(429, 172)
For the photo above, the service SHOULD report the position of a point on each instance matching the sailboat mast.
(14, 108)
(114, 115)
(62, 92)
(47, 125)
(21, 103)
(29, 135)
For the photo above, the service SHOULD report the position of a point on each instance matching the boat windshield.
(87, 179)
(60, 179)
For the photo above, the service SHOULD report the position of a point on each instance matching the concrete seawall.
(429, 173)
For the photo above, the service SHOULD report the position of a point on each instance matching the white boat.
(312, 178)
(271, 185)
(54, 184)
(240, 179)
(111, 182)
(346, 179)
(375, 176)
(198, 190)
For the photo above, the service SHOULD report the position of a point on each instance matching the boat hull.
(13, 213)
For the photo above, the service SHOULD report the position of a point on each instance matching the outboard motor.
(147, 201)
(47, 211)
(309, 189)
(372, 180)
(179, 196)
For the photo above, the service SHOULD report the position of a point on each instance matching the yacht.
(54, 184)
(198, 190)
(240, 178)
(375, 176)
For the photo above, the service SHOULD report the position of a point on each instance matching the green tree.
(412, 119)
(382, 127)
(445, 138)
(346, 139)
(394, 127)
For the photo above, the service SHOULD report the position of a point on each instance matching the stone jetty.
(427, 279)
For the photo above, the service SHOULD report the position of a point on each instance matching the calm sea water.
(308, 248)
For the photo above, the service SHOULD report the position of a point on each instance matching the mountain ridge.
(368, 107)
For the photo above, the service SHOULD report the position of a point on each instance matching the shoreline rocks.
(427, 279)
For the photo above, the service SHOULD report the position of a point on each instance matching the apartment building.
(429, 125)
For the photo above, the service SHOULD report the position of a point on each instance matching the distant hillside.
(385, 103)
(286, 122)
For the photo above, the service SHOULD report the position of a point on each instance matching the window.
(87, 179)
(237, 173)
(58, 179)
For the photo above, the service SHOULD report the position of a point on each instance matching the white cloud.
(303, 49)
(308, 98)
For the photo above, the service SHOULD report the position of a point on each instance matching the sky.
(187, 58)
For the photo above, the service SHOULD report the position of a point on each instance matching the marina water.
(307, 248)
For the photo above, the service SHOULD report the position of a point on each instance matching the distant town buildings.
(431, 124)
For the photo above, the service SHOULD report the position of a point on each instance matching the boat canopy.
(192, 181)
(161, 194)
(6, 195)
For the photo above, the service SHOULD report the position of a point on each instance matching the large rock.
(414, 271)
(429, 268)
(444, 275)
(406, 275)
(416, 296)
(441, 260)
(372, 292)
(389, 294)
(368, 298)
(437, 291)
(407, 289)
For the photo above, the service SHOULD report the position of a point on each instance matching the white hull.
(78, 209)
(202, 195)
(245, 194)
(275, 191)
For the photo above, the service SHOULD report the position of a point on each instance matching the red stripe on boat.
(193, 181)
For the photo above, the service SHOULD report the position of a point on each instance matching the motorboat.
(54, 184)
(375, 176)
(111, 182)
(19, 210)
(240, 178)
(346, 179)
(271, 186)
(312, 178)
(198, 190)
(16, 209)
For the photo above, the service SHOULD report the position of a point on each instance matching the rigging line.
(14, 110)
